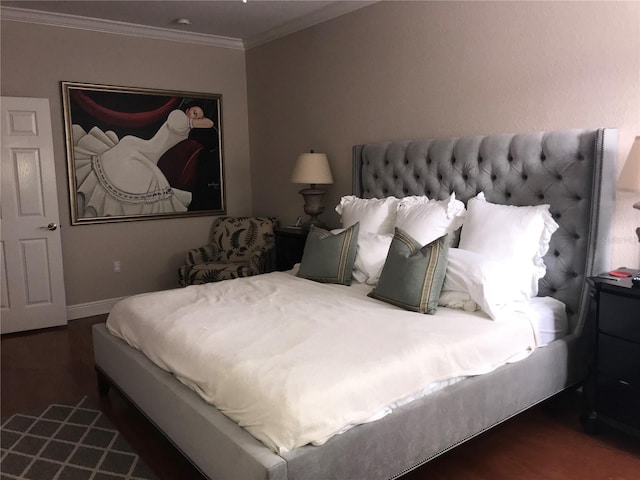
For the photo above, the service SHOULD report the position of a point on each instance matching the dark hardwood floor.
(544, 443)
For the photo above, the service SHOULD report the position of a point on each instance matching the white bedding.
(301, 360)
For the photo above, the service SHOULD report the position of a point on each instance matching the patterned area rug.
(67, 442)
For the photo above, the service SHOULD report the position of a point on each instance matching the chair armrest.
(263, 259)
(204, 254)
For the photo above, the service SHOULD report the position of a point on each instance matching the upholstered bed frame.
(572, 171)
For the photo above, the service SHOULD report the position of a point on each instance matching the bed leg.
(103, 383)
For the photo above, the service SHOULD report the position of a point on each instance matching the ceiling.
(232, 22)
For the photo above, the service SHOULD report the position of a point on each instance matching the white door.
(31, 254)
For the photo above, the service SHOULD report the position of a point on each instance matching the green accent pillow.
(413, 275)
(329, 257)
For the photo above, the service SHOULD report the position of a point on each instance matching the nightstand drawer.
(618, 401)
(612, 390)
(619, 315)
(619, 359)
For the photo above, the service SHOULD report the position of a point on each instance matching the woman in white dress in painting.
(121, 177)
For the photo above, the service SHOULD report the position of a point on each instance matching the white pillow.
(426, 220)
(474, 279)
(515, 235)
(376, 215)
(457, 300)
(370, 256)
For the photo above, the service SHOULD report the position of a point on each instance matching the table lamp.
(630, 176)
(312, 168)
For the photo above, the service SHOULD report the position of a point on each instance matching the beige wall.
(426, 69)
(35, 59)
(392, 70)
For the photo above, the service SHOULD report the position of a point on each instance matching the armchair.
(240, 247)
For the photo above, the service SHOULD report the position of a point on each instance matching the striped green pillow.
(413, 275)
(329, 257)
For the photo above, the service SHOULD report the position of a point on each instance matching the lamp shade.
(312, 168)
(630, 176)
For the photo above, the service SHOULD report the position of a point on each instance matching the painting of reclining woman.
(141, 154)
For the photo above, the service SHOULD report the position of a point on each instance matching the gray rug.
(67, 442)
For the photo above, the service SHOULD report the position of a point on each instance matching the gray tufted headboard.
(573, 171)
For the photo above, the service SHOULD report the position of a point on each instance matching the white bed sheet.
(303, 360)
(547, 315)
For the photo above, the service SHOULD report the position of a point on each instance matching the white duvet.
(294, 361)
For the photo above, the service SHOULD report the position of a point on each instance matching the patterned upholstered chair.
(240, 247)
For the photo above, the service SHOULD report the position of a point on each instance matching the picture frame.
(140, 154)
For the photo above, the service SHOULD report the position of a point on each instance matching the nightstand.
(289, 246)
(612, 391)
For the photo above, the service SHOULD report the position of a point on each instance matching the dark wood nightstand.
(612, 391)
(289, 246)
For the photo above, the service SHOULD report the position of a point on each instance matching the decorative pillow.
(375, 215)
(475, 281)
(329, 257)
(413, 274)
(518, 236)
(425, 220)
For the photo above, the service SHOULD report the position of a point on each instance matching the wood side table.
(289, 246)
(612, 391)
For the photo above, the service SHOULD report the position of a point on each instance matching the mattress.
(302, 361)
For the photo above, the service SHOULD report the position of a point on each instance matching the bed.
(571, 171)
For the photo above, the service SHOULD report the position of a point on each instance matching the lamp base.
(313, 206)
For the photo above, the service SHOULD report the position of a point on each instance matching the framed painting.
(141, 154)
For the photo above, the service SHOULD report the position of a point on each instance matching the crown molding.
(333, 10)
(120, 28)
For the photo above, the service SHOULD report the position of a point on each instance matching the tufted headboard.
(573, 171)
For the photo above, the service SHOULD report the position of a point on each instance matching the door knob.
(52, 226)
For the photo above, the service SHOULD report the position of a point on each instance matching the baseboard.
(90, 309)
